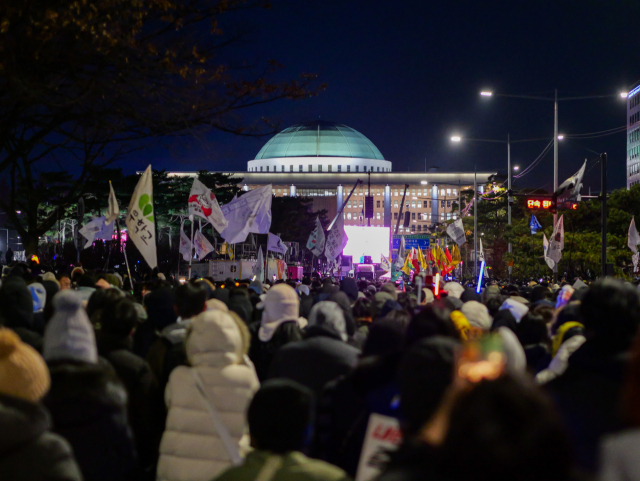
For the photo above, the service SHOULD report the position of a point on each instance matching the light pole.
(459, 138)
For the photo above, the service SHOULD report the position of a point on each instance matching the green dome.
(319, 138)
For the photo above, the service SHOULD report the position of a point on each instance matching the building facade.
(323, 161)
(633, 137)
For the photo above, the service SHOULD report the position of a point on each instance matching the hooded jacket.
(322, 356)
(28, 450)
(17, 310)
(191, 447)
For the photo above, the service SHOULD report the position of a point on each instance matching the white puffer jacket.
(191, 448)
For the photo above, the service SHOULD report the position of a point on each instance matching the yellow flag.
(455, 255)
(407, 265)
(421, 259)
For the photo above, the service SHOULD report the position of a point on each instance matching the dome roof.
(319, 138)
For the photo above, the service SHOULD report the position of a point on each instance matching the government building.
(324, 160)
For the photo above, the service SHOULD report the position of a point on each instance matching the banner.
(400, 256)
(382, 437)
(455, 230)
(250, 212)
(633, 238)
(275, 244)
(316, 240)
(203, 202)
(185, 246)
(113, 210)
(140, 226)
(201, 244)
(336, 240)
(97, 229)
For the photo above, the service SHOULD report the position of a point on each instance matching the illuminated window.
(377, 215)
(349, 215)
(349, 204)
(395, 204)
(359, 203)
(454, 192)
(448, 191)
(413, 204)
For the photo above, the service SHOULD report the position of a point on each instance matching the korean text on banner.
(382, 437)
(316, 240)
(140, 222)
(202, 244)
(336, 240)
(185, 245)
(456, 232)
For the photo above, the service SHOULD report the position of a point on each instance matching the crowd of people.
(242, 380)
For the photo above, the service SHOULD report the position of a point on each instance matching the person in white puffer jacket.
(192, 449)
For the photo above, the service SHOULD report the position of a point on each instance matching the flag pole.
(190, 249)
(179, 241)
(126, 260)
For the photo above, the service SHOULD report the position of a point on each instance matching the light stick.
(480, 278)
(437, 284)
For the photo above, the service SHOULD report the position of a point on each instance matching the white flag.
(316, 240)
(185, 246)
(275, 244)
(456, 232)
(258, 269)
(250, 212)
(336, 240)
(140, 226)
(203, 202)
(113, 211)
(202, 245)
(557, 241)
(400, 255)
(97, 229)
(545, 247)
(634, 237)
(481, 252)
(385, 265)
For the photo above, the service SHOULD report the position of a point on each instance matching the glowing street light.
(560, 137)
(424, 182)
(624, 95)
(456, 138)
(515, 167)
(486, 93)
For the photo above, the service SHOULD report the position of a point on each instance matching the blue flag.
(534, 225)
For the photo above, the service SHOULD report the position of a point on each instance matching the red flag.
(448, 254)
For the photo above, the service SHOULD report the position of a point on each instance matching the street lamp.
(457, 139)
(516, 168)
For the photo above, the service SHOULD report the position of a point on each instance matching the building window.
(328, 168)
(395, 204)
(359, 203)
(395, 193)
(309, 167)
(378, 169)
(449, 203)
(395, 216)
(454, 192)
(413, 204)
(349, 215)
(299, 168)
(413, 191)
(319, 167)
(348, 168)
(291, 168)
(268, 168)
(260, 168)
(357, 168)
(419, 227)
(377, 215)
(441, 192)
(413, 216)
(442, 216)
(448, 191)
(339, 168)
(442, 204)
(349, 204)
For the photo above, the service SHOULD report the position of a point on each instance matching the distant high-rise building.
(633, 137)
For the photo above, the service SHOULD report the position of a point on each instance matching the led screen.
(366, 241)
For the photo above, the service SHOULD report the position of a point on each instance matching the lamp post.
(459, 138)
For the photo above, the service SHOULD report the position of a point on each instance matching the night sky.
(407, 74)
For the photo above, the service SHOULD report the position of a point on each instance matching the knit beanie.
(69, 334)
(49, 276)
(390, 288)
(477, 314)
(454, 289)
(23, 372)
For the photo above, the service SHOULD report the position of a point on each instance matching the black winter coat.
(144, 404)
(346, 404)
(261, 353)
(588, 396)
(319, 358)
(28, 450)
(88, 405)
